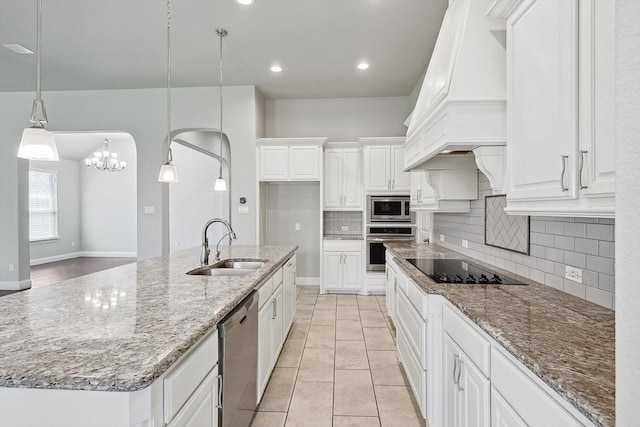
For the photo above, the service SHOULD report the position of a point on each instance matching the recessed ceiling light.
(245, 1)
(276, 68)
(363, 66)
(17, 48)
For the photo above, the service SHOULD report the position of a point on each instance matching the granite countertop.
(120, 329)
(342, 237)
(566, 341)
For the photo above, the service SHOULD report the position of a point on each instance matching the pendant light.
(37, 142)
(221, 183)
(168, 172)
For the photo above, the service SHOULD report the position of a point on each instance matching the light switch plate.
(297, 226)
(344, 228)
(573, 273)
(243, 210)
(149, 210)
(465, 243)
(442, 237)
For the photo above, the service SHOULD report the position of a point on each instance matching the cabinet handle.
(582, 155)
(219, 404)
(455, 368)
(388, 184)
(393, 184)
(563, 158)
(273, 309)
(460, 366)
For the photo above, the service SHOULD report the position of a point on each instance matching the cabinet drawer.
(343, 245)
(277, 278)
(415, 374)
(180, 384)
(467, 337)
(264, 291)
(534, 405)
(418, 298)
(413, 326)
(201, 409)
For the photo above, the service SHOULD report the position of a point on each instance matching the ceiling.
(121, 44)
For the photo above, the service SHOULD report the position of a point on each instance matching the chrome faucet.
(204, 255)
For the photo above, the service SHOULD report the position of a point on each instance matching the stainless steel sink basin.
(229, 267)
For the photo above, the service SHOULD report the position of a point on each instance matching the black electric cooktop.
(460, 271)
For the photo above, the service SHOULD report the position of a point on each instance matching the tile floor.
(338, 367)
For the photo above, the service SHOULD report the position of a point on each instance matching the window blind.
(43, 205)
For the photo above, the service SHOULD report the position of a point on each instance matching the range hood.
(462, 104)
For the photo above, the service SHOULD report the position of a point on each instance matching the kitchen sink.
(229, 267)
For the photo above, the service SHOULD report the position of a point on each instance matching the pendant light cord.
(39, 40)
(221, 33)
(170, 155)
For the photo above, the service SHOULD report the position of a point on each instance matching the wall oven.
(378, 235)
(389, 208)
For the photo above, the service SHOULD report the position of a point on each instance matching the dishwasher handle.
(238, 315)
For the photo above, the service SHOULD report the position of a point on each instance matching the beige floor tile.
(368, 303)
(299, 329)
(351, 355)
(347, 312)
(347, 300)
(291, 353)
(269, 419)
(313, 290)
(385, 368)
(396, 407)
(378, 339)
(372, 318)
(349, 330)
(382, 300)
(345, 421)
(328, 297)
(317, 364)
(321, 337)
(353, 393)
(325, 304)
(278, 393)
(304, 311)
(311, 405)
(324, 317)
(307, 299)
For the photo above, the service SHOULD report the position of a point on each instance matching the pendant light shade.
(37, 142)
(221, 183)
(168, 171)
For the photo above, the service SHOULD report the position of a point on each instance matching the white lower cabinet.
(289, 294)
(201, 410)
(390, 289)
(502, 414)
(342, 266)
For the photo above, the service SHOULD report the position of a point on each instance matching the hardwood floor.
(54, 272)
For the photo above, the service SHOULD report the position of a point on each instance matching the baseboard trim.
(17, 285)
(308, 281)
(91, 254)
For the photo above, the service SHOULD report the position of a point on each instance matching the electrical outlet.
(573, 273)
(465, 243)
(73, 244)
(442, 237)
(297, 226)
(10, 267)
(344, 228)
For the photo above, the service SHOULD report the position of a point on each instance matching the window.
(43, 205)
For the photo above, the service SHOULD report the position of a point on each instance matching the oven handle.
(387, 239)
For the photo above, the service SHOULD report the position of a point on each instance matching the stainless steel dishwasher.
(238, 360)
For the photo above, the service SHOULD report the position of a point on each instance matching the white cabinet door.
(274, 163)
(201, 408)
(475, 394)
(304, 163)
(542, 107)
(278, 323)
(502, 414)
(289, 296)
(265, 346)
(597, 98)
(452, 406)
(333, 179)
(351, 178)
(332, 269)
(390, 295)
(377, 168)
(400, 181)
(351, 270)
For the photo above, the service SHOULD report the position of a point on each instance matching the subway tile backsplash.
(584, 243)
(335, 220)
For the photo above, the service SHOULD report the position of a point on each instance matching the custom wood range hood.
(461, 107)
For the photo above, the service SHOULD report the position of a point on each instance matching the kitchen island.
(114, 333)
(566, 342)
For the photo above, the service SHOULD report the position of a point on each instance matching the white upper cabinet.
(383, 166)
(560, 91)
(289, 159)
(342, 178)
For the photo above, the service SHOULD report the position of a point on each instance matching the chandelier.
(105, 160)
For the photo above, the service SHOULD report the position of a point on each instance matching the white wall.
(344, 119)
(627, 208)
(68, 172)
(192, 202)
(108, 206)
(142, 113)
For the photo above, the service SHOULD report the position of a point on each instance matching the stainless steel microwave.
(389, 208)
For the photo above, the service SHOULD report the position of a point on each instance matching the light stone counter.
(120, 329)
(567, 342)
